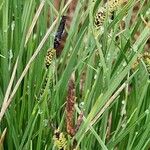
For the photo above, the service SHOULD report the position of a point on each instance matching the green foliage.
(101, 60)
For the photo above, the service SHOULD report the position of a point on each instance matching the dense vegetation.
(97, 91)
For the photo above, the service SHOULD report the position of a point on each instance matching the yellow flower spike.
(60, 140)
(146, 58)
(49, 57)
(99, 18)
(112, 5)
(105, 11)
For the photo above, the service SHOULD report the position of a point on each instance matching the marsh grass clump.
(93, 69)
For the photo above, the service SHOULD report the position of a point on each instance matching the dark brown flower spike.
(60, 36)
(70, 109)
(79, 121)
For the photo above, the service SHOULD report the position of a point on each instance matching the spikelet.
(146, 55)
(107, 10)
(146, 58)
(112, 5)
(49, 57)
(60, 140)
(100, 18)
(136, 63)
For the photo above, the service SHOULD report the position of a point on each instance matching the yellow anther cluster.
(60, 140)
(107, 10)
(49, 57)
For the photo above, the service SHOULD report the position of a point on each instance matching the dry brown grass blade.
(5, 106)
(11, 82)
(108, 103)
(7, 94)
(67, 5)
(34, 20)
(2, 137)
(146, 23)
(108, 132)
